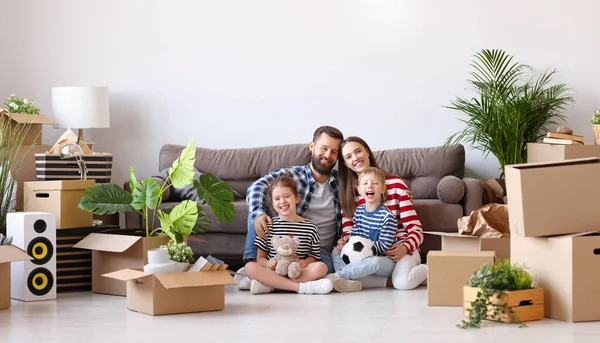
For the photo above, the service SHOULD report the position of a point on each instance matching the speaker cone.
(40, 226)
(40, 281)
(40, 248)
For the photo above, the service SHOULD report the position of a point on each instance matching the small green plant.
(5, 240)
(596, 118)
(495, 280)
(14, 104)
(179, 252)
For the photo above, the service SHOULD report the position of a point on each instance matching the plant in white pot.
(180, 253)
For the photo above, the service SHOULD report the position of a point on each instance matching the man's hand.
(260, 225)
(341, 242)
(272, 264)
(396, 252)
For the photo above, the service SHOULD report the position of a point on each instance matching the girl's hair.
(285, 180)
(348, 180)
(380, 174)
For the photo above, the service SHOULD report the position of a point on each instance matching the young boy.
(372, 220)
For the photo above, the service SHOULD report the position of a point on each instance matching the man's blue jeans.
(250, 250)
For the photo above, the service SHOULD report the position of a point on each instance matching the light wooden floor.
(383, 315)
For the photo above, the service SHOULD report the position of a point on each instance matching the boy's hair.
(285, 180)
(380, 174)
(330, 131)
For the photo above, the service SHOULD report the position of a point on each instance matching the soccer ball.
(357, 249)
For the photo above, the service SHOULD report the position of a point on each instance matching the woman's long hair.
(348, 180)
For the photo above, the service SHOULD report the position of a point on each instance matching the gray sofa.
(430, 174)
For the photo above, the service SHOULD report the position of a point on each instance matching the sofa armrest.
(473, 195)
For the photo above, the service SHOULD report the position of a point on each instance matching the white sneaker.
(343, 285)
(322, 286)
(257, 287)
(244, 284)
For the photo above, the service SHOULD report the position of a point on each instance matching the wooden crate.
(50, 167)
(74, 266)
(528, 304)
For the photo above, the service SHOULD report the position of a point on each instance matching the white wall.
(252, 73)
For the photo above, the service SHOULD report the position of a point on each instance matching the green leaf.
(183, 217)
(218, 196)
(166, 225)
(146, 194)
(181, 172)
(132, 180)
(106, 199)
(202, 223)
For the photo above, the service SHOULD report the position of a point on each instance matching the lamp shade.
(81, 107)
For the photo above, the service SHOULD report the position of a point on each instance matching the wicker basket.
(596, 133)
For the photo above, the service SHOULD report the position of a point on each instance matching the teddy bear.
(287, 261)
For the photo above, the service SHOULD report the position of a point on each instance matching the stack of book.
(562, 138)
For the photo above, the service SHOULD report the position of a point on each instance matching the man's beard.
(319, 167)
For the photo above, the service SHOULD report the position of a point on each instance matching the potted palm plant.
(507, 112)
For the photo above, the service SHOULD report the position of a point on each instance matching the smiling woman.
(408, 272)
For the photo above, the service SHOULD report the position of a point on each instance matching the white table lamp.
(81, 107)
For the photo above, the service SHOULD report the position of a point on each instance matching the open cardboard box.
(553, 198)
(8, 254)
(200, 289)
(35, 122)
(457, 242)
(115, 250)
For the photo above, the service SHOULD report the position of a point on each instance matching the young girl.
(284, 197)
(408, 272)
(374, 221)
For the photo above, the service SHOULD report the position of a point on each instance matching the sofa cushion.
(423, 168)
(240, 219)
(438, 216)
(450, 189)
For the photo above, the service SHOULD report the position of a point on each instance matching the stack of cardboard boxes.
(554, 220)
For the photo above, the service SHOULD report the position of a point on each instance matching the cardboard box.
(50, 167)
(187, 292)
(61, 199)
(34, 134)
(26, 171)
(8, 254)
(527, 304)
(553, 198)
(449, 271)
(540, 152)
(566, 267)
(458, 242)
(112, 252)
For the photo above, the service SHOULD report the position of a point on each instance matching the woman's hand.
(272, 264)
(341, 242)
(396, 252)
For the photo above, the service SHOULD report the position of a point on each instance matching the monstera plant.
(146, 197)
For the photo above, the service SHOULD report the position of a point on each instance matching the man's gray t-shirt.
(322, 212)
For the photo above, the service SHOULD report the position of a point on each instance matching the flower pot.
(596, 134)
(180, 267)
(527, 305)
